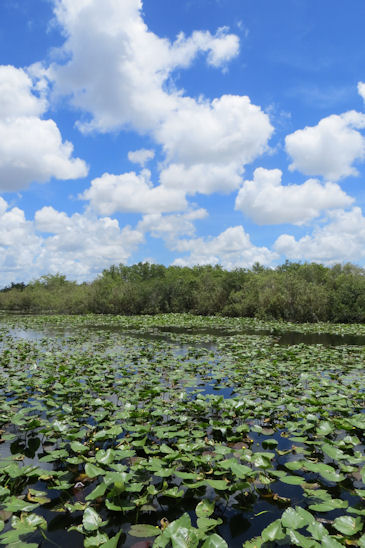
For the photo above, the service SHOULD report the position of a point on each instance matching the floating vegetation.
(179, 431)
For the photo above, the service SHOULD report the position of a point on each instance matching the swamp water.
(106, 430)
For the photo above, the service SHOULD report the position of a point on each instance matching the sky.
(180, 132)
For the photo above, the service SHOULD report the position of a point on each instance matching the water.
(289, 338)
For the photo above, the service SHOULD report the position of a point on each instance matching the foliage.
(291, 292)
(173, 429)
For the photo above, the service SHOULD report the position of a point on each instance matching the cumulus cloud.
(135, 89)
(224, 130)
(202, 178)
(79, 246)
(341, 240)
(207, 143)
(19, 245)
(141, 156)
(267, 201)
(132, 193)
(171, 227)
(130, 88)
(330, 148)
(232, 249)
(16, 97)
(361, 89)
(31, 148)
(67, 248)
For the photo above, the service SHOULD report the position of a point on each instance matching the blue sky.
(180, 132)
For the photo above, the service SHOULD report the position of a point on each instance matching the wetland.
(179, 430)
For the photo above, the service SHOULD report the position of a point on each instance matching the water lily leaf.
(348, 525)
(333, 452)
(296, 518)
(260, 461)
(256, 542)
(330, 542)
(18, 505)
(93, 471)
(91, 519)
(294, 465)
(33, 520)
(174, 492)
(300, 540)
(240, 471)
(99, 539)
(352, 510)
(317, 530)
(113, 542)
(292, 480)
(180, 532)
(11, 538)
(269, 443)
(99, 491)
(143, 530)
(105, 457)
(185, 538)
(273, 532)
(206, 524)
(214, 541)
(37, 496)
(330, 475)
(204, 508)
(329, 505)
(78, 447)
(186, 475)
(220, 485)
(324, 428)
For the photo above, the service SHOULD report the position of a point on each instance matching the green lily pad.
(143, 530)
(348, 525)
(273, 532)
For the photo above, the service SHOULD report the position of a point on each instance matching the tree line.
(308, 292)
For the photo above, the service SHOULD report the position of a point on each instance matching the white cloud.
(16, 97)
(361, 89)
(130, 88)
(225, 130)
(232, 249)
(19, 245)
(79, 246)
(31, 149)
(266, 201)
(135, 89)
(209, 142)
(329, 148)
(221, 48)
(68, 251)
(132, 193)
(170, 227)
(141, 156)
(341, 240)
(202, 178)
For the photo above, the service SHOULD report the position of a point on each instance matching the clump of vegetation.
(291, 292)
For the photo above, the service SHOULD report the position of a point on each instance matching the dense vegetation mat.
(123, 433)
